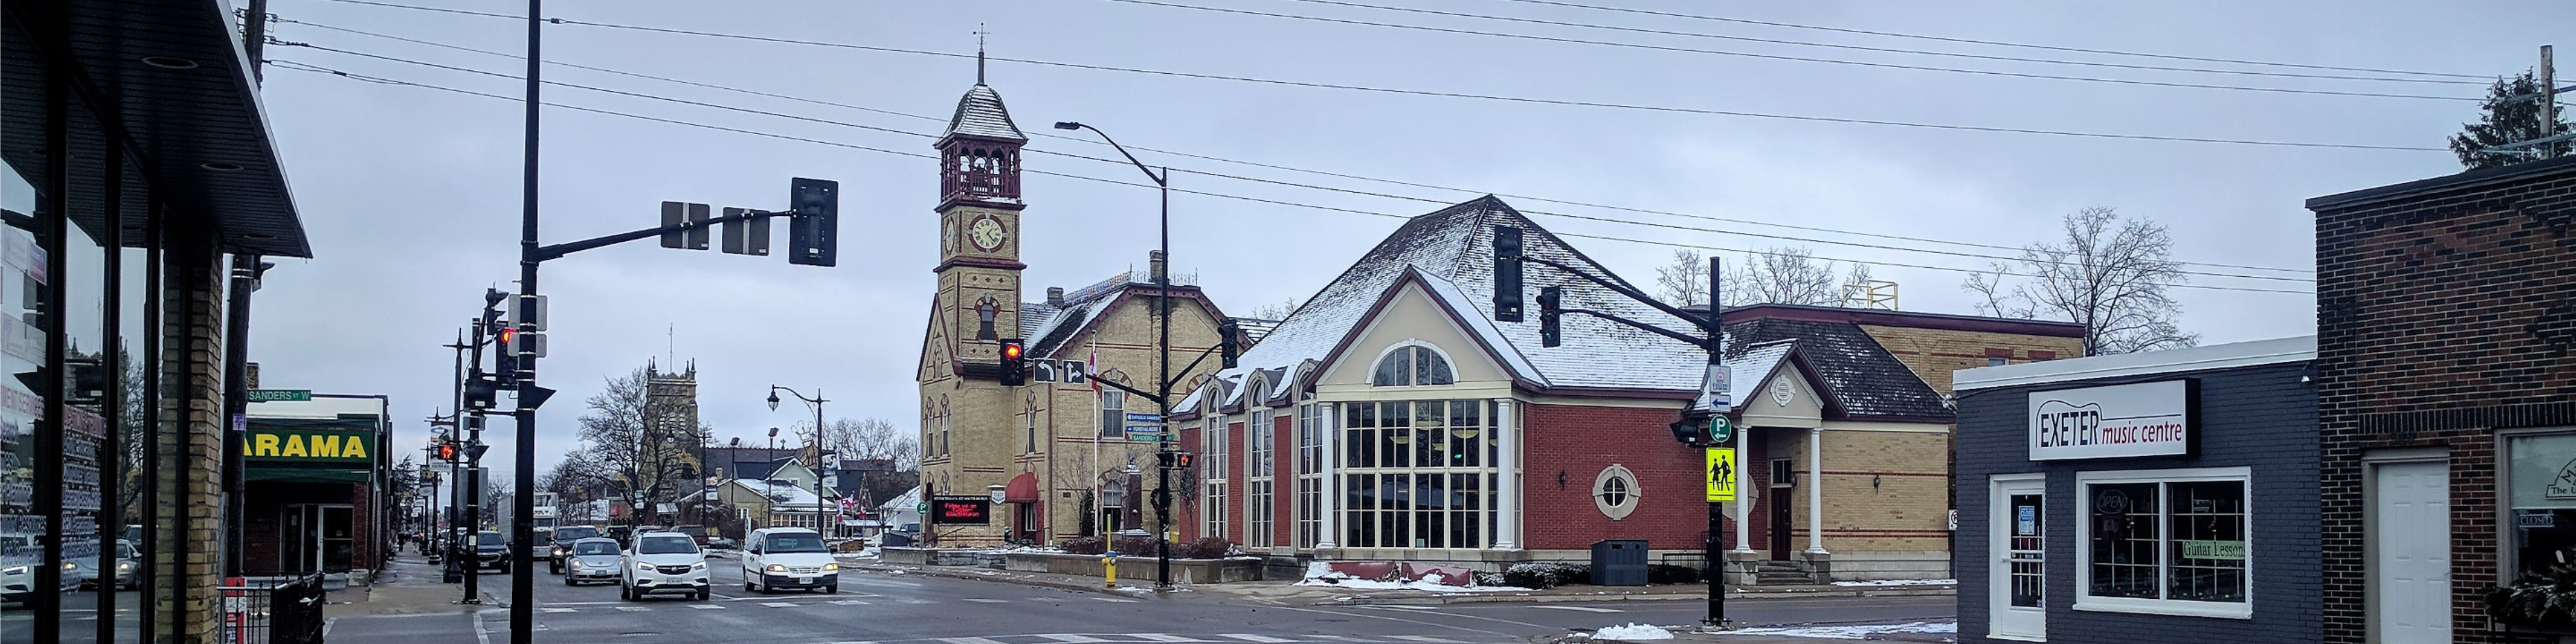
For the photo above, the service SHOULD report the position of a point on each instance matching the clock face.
(986, 233)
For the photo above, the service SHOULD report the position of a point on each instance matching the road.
(81, 617)
(910, 609)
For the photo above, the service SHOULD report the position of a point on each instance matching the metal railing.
(271, 610)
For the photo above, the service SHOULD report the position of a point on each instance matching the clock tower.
(979, 238)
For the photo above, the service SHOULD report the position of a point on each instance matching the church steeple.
(979, 154)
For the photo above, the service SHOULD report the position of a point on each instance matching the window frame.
(2508, 552)
(1308, 518)
(1412, 375)
(1368, 521)
(1101, 404)
(1259, 473)
(2163, 479)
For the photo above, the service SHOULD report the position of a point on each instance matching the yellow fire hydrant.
(1109, 569)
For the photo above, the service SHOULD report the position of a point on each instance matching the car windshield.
(568, 535)
(125, 550)
(488, 538)
(794, 543)
(594, 548)
(666, 546)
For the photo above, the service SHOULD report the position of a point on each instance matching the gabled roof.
(1853, 369)
(980, 113)
(1455, 246)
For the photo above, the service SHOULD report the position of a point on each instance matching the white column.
(1745, 484)
(1507, 466)
(1816, 491)
(1329, 531)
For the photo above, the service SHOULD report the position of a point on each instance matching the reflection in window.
(2181, 540)
(2541, 474)
(1411, 366)
(1418, 474)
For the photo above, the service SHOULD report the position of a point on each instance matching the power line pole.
(522, 530)
(2548, 102)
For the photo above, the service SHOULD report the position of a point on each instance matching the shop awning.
(1021, 489)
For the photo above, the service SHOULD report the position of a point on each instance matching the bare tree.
(1784, 275)
(1279, 311)
(2110, 273)
(620, 448)
(871, 439)
(1685, 281)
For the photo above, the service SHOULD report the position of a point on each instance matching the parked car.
(564, 537)
(623, 534)
(91, 577)
(663, 562)
(776, 558)
(491, 550)
(697, 532)
(592, 559)
(18, 570)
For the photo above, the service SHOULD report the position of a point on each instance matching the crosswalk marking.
(633, 609)
(968, 640)
(1070, 638)
(779, 604)
(706, 607)
(557, 610)
(1114, 599)
(1587, 609)
(1426, 638)
(850, 602)
(1343, 638)
(981, 600)
(1161, 637)
(1263, 639)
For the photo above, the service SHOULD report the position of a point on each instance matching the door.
(1784, 481)
(2017, 601)
(335, 532)
(2411, 562)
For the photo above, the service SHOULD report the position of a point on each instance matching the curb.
(972, 574)
(1359, 600)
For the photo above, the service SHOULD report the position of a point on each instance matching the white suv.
(775, 558)
(662, 562)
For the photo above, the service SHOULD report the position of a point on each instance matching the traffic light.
(1015, 363)
(480, 392)
(505, 354)
(1692, 431)
(1174, 459)
(1550, 308)
(446, 451)
(1226, 349)
(1507, 274)
(813, 235)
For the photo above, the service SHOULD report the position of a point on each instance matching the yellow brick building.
(1055, 450)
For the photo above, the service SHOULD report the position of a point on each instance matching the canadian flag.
(1093, 368)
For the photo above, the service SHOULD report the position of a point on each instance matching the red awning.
(1022, 489)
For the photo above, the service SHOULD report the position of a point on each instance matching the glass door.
(2019, 579)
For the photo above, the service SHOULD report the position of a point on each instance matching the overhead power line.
(305, 67)
(1995, 43)
(1920, 52)
(1441, 94)
(1740, 54)
(285, 43)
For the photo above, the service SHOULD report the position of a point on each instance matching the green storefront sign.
(343, 450)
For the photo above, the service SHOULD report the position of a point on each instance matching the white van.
(775, 558)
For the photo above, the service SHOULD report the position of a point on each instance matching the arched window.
(1412, 365)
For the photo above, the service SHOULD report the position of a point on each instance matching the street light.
(817, 403)
(1162, 361)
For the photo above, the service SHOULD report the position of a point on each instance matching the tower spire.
(979, 52)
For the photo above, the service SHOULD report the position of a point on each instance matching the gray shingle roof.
(980, 113)
(1859, 373)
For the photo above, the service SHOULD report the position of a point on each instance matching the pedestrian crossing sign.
(1721, 475)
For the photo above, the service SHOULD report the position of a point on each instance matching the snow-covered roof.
(781, 495)
(1746, 367)
(910, 499)
(980, 113)
(1455, 246)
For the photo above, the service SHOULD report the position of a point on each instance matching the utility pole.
(522, 530)
(2548, 102)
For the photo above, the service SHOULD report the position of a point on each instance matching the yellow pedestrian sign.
(1721, 475)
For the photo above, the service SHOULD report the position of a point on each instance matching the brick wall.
(1934, 353)
(1579, 441)
(188, 519)
(2446, 311)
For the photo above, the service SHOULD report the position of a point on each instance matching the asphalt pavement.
(894, 608)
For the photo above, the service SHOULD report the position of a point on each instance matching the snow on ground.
(1319, 574)
(1897, 582)
(1632, 632)
(1849, 632)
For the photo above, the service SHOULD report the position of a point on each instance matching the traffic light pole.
(524, 415)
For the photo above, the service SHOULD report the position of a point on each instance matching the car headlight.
(559, 552)
(698, 566)
(831, 567)
(643, 566)
(13, 570)
(125, 566)
(777, 568)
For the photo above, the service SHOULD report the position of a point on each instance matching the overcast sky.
(411, 195)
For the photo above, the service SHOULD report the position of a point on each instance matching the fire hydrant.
(1109, 569)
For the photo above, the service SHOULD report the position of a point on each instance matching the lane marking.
(1164, 637)
(1070, 638)
(1424, 623)
(556, 610)
(1263, 639)
(706, 607)
(981, 600)
(1114, 599)
(968, 640)
(1426, 638)
(633, 609)
(780, 604)
(480, 635)
(1587, 609)
(851, 602)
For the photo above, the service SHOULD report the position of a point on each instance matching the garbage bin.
(1619, 562)
(896, 540)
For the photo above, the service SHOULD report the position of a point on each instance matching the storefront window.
(1418, 475)
(21, 353)
(2542, 476)
(2171, 541)
(1258, 471)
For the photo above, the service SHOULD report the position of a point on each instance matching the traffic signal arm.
(1695, 341)
(556, 251)
(1709, 324)
(1132, 391)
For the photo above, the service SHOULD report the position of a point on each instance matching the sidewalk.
(1930, 632)
(1288, 592)
(407, 586)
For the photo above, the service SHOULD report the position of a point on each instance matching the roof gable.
(980, 113)
(1850, 368)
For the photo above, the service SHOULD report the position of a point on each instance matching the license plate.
(804, 580)
(677, 580)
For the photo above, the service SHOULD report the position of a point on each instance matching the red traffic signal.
(1015, 363)
(447, 451)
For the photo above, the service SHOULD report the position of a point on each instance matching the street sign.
(1721, 475)
(1719, 430)
(1143, 426)
(280, 395)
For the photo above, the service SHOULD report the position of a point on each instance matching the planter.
(907, 556)
(1185, 571)
(2560, 629)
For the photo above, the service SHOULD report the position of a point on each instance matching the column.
(1816, 491)
(1507, 465)
(1329, 438)
(1745, 484)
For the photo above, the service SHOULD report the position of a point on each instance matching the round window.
(1615, 492)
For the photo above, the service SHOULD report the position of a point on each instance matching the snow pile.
(1850, 632)
(1877, 583)
(1320, 574)
(1632, 632)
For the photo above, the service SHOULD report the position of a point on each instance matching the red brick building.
(2446, 320)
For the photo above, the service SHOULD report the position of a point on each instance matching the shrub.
(1491, 579)
(2546, 599)
(1085, 545)
(1135, 545)
(1204, 548)
(1546, 575)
